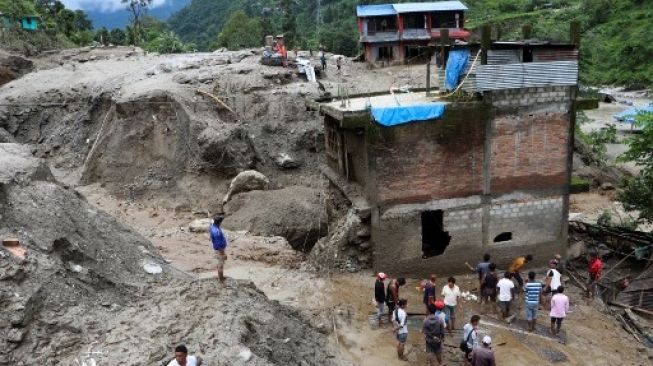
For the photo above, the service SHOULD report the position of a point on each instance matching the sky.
(107, 6)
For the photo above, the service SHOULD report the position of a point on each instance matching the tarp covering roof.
(400, 114)
(393, 9)
(630, 115)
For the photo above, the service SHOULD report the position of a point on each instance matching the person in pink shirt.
(559, 309)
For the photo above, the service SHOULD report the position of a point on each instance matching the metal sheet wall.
(526, 75)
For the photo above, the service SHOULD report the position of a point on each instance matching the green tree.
(118, 37)
(288, 23)
(102, 36)
(241, 31)
(137, 11)
(637, 192)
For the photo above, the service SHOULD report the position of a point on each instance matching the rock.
(152, 268)
(15, 335)
(249, 180)
(151, 72)
(285, 161)
(607, 186)
(221, 50)
(166, 68)
(295, 213)
(245, 355)
(227, 150)
(200, 225)
(182, 78)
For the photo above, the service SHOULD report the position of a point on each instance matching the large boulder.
(13, 67)
(295, 213)
(226, 150)
(249, 180)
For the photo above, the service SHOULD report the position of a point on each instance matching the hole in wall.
(507, 236)
(434, 239)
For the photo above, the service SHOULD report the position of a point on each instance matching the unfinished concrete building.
(487, 174)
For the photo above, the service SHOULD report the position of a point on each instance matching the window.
(434, 239)
(414, 21)
(507, 236)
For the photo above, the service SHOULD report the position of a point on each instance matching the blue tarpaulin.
(630, 115)
(397, 115)
(456, 65)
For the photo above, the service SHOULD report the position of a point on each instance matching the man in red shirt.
(594, 269)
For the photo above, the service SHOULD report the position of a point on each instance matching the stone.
(248, 180)
(184, 79)
(15, 335)
(285, 161)
(607, 186)
(364, 232)
(200, 225)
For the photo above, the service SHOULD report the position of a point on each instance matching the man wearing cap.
(219, 241)
(484, 356)
(379, 295)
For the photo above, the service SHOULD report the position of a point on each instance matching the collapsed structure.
(440, 181)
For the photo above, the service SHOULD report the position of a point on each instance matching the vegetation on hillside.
(637, 192)
(617, 43)
(61, 28)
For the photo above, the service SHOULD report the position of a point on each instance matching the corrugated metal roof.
(375, 10)
(432, 6)
(501, 57)
(393, 9)
(526, 75)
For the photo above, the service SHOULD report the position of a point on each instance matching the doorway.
(434, 239)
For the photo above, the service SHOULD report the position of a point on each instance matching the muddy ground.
(129, 133)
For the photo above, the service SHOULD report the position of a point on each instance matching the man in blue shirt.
(533, 291)
(219, 241)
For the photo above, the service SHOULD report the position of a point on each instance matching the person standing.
(533, 291)
(183, 359)
(379, 295)
(219, 241)
(451, 293)
(429, 291)
(433, 329)
(505, 286)
(482, 268)
(489, 286)
(339, 63)
(392, 295)
(594, 269)
(552, 281)
(400, 322)
(559, 309)
(470, 338)
(515, 270)
(323, 60)
(484, 356)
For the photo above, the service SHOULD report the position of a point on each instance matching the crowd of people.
(442, 307)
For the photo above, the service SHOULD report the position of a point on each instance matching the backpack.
(463, 344)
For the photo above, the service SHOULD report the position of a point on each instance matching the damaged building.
(440, 181)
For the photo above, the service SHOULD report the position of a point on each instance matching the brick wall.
(529, 151)
(433, 160)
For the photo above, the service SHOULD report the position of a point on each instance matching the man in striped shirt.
(533, 290)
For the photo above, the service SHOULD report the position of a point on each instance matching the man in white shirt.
(552, 282)
(400, 322)
(451, 293)
(183, 359)
(505, 286)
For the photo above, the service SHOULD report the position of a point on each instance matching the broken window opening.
(385, 53)
(434, 239)
(507, 236)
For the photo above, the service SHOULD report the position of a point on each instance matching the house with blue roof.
(400, 33)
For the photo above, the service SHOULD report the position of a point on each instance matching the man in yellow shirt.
(515, 270)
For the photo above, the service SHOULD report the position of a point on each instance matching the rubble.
(248, 180)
